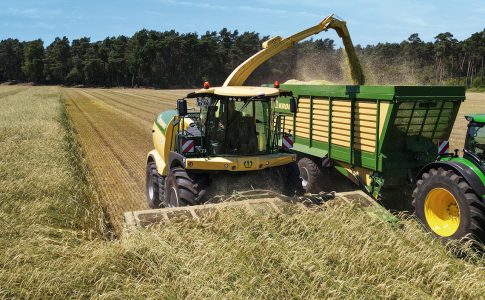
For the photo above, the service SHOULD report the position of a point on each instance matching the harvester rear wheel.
(154, 186)
(183, 188)
(448, 206)
(292, 180)
(310, 175)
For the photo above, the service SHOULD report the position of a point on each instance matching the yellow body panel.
(162, 146)
(239, 163)
(161, 165)
(360, 174)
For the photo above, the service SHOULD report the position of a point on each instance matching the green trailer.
(379, 137)
(392, 142)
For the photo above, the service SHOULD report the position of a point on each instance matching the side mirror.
(182, 107)
(292, 105)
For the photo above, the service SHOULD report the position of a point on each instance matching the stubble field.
(114, 130)
(55, 245)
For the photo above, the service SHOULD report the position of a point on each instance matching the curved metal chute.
(277, 44)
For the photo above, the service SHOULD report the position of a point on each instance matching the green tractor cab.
(450, 194)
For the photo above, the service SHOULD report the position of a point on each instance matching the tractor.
(449, 197)
(233, 140)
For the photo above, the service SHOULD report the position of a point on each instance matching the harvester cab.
(232, 130)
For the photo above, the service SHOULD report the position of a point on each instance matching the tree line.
(170, 59)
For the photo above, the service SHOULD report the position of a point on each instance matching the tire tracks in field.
(12, 92)
(118, 170)
(112, 99)
(114, 129)
(124, 135)
(104, 140)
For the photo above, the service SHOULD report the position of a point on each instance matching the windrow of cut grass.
(54, 244)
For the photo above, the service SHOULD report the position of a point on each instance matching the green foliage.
(171, 59)
(57, 60)
(33, 64)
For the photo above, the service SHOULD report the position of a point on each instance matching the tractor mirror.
(182, 107)
(292, 105)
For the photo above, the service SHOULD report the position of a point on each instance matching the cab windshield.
(236, 126)
(475, 140)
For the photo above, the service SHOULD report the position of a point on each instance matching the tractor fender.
(460, 169)
(175, 160)
(154, 156)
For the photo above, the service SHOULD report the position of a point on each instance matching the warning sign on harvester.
(188, 146)
(443, 147)
(287, 142)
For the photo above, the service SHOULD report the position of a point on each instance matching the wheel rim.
(173, 198)
(442, 212)
(151, 189)
(304, 177)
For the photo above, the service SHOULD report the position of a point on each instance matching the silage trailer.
(391, 141)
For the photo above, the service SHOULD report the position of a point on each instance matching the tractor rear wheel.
(310, 175)
(154, 186)
(448, 206)
(183, 188)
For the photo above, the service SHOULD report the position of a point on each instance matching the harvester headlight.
(267, 162)
(469, 119)
(191, 164)
(226, 165)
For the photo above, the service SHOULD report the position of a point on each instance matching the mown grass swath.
(54, 243)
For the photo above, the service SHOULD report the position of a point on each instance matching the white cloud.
(33, 13)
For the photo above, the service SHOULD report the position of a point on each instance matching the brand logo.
(248, 164)
(283, 106)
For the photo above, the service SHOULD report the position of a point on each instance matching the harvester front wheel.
(448, 207)
(310, 174)
(184, 189)
(154, 186)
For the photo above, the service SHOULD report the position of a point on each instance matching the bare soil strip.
(114, 130)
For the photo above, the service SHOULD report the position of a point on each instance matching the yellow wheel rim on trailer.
(442, 212)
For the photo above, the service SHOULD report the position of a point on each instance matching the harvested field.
(114, 129)
(474, 103)
(54, 246)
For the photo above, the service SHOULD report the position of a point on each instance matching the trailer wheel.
(310, 174)
(448, 207)
(154, 186)
(183, 189)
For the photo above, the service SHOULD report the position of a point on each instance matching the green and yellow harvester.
(390, 141)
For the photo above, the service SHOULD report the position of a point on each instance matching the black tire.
(154, 186)
(183, 188)
(292, 183)
(310, 175)
(471, 208)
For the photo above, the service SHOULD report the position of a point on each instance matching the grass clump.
(54, 243)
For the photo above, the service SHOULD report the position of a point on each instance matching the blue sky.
(369, 22)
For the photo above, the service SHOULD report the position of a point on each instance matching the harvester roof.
(240, 91)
